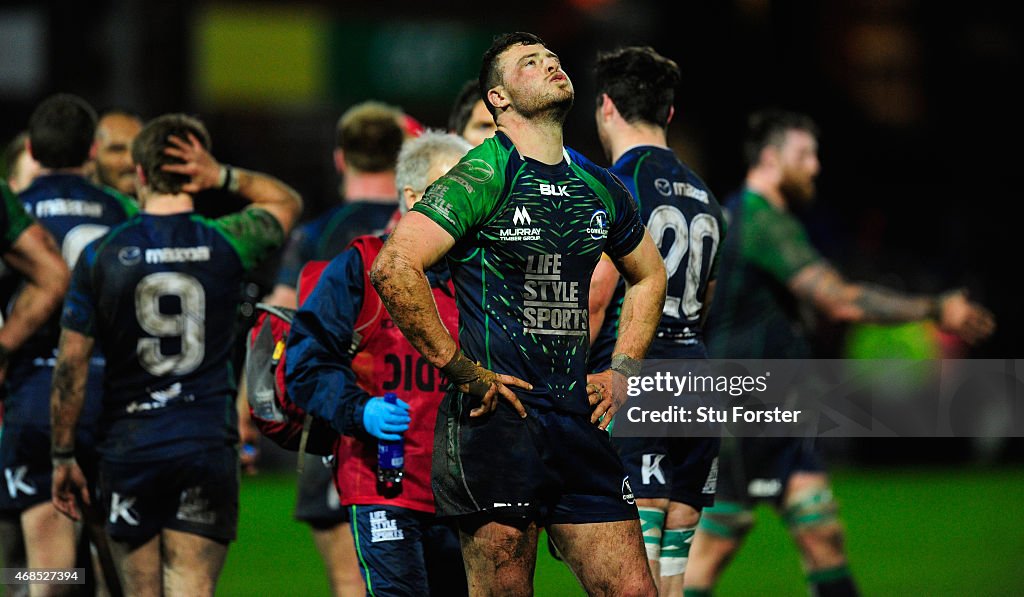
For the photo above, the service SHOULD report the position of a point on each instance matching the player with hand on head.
(158, 295)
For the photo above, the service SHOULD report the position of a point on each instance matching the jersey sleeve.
(13, 218)
(318, 368)
(466, 196)
(130, 207)
(254, 233)
(626, 229)
(80, 312)
(778, 244)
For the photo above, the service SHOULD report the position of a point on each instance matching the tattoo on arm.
(825, 287)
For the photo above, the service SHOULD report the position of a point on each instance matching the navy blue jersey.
(327, 236)
(527, 238)
(75, 212)
(685, 221)
(159, 295)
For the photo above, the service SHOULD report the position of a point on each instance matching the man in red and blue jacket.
(343, 354)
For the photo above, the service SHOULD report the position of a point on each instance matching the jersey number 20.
(689, 240)
(189, 325)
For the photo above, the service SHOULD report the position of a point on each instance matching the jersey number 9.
(189, 325)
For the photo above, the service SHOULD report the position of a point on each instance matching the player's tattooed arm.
(823, 286)
(67, 394)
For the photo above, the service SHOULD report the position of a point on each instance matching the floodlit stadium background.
(916, 193)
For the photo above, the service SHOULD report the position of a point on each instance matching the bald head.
(115, 132)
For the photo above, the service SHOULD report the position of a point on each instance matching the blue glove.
(385, 421)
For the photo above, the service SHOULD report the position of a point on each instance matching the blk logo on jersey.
(553, 190)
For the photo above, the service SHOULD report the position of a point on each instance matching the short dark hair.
(490, 76)
(118, 111)
(769, 126)
(148, 149)
(462, 109)
(640, 81)
(371, 135)
(61, 131)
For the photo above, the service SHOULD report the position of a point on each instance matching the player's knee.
(727, 520)
(681, 516)
(813, 518)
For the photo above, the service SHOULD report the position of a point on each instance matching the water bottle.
(390, 460)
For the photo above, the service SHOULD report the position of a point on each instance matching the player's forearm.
(271, 194)
(405, 291)
(884, 305)
(641, 312)
(67, 396)
(844, 301)
(33, 307)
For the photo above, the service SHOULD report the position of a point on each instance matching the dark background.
(921, 129)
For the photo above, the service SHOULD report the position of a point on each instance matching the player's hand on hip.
(386, 421)
(68, 484)
(966, 319)
(197, 164)
(606, 392)
(491, 386)
(473, 379)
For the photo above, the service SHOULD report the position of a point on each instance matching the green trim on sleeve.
(602, 191)
(253, 232)
(16, 219)
(128, 204)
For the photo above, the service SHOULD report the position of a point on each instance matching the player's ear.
(339, 160)
(497, 97)
(94, 149)
(671, 113)
(409, 196)
(140, 175)
(607, 107)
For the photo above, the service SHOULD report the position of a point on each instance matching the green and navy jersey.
(755, 315)
(686, 222)
(327, 236)
(159, 294)
(75, 212)
(13, 219)
(527, 238)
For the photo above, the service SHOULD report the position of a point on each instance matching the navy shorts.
(405, 552)
(755, 470)
(681, 469)
(317, 502)
(551, 467)
(196, 493)
(26, 469)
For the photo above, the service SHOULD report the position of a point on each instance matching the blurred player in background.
(523, 223)
(672, 478)
(74, 212)
(29, 251)
(469, 117)
(769, 269)
(368, 138)
(115, 131)
(158, 295)
(403, 549)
